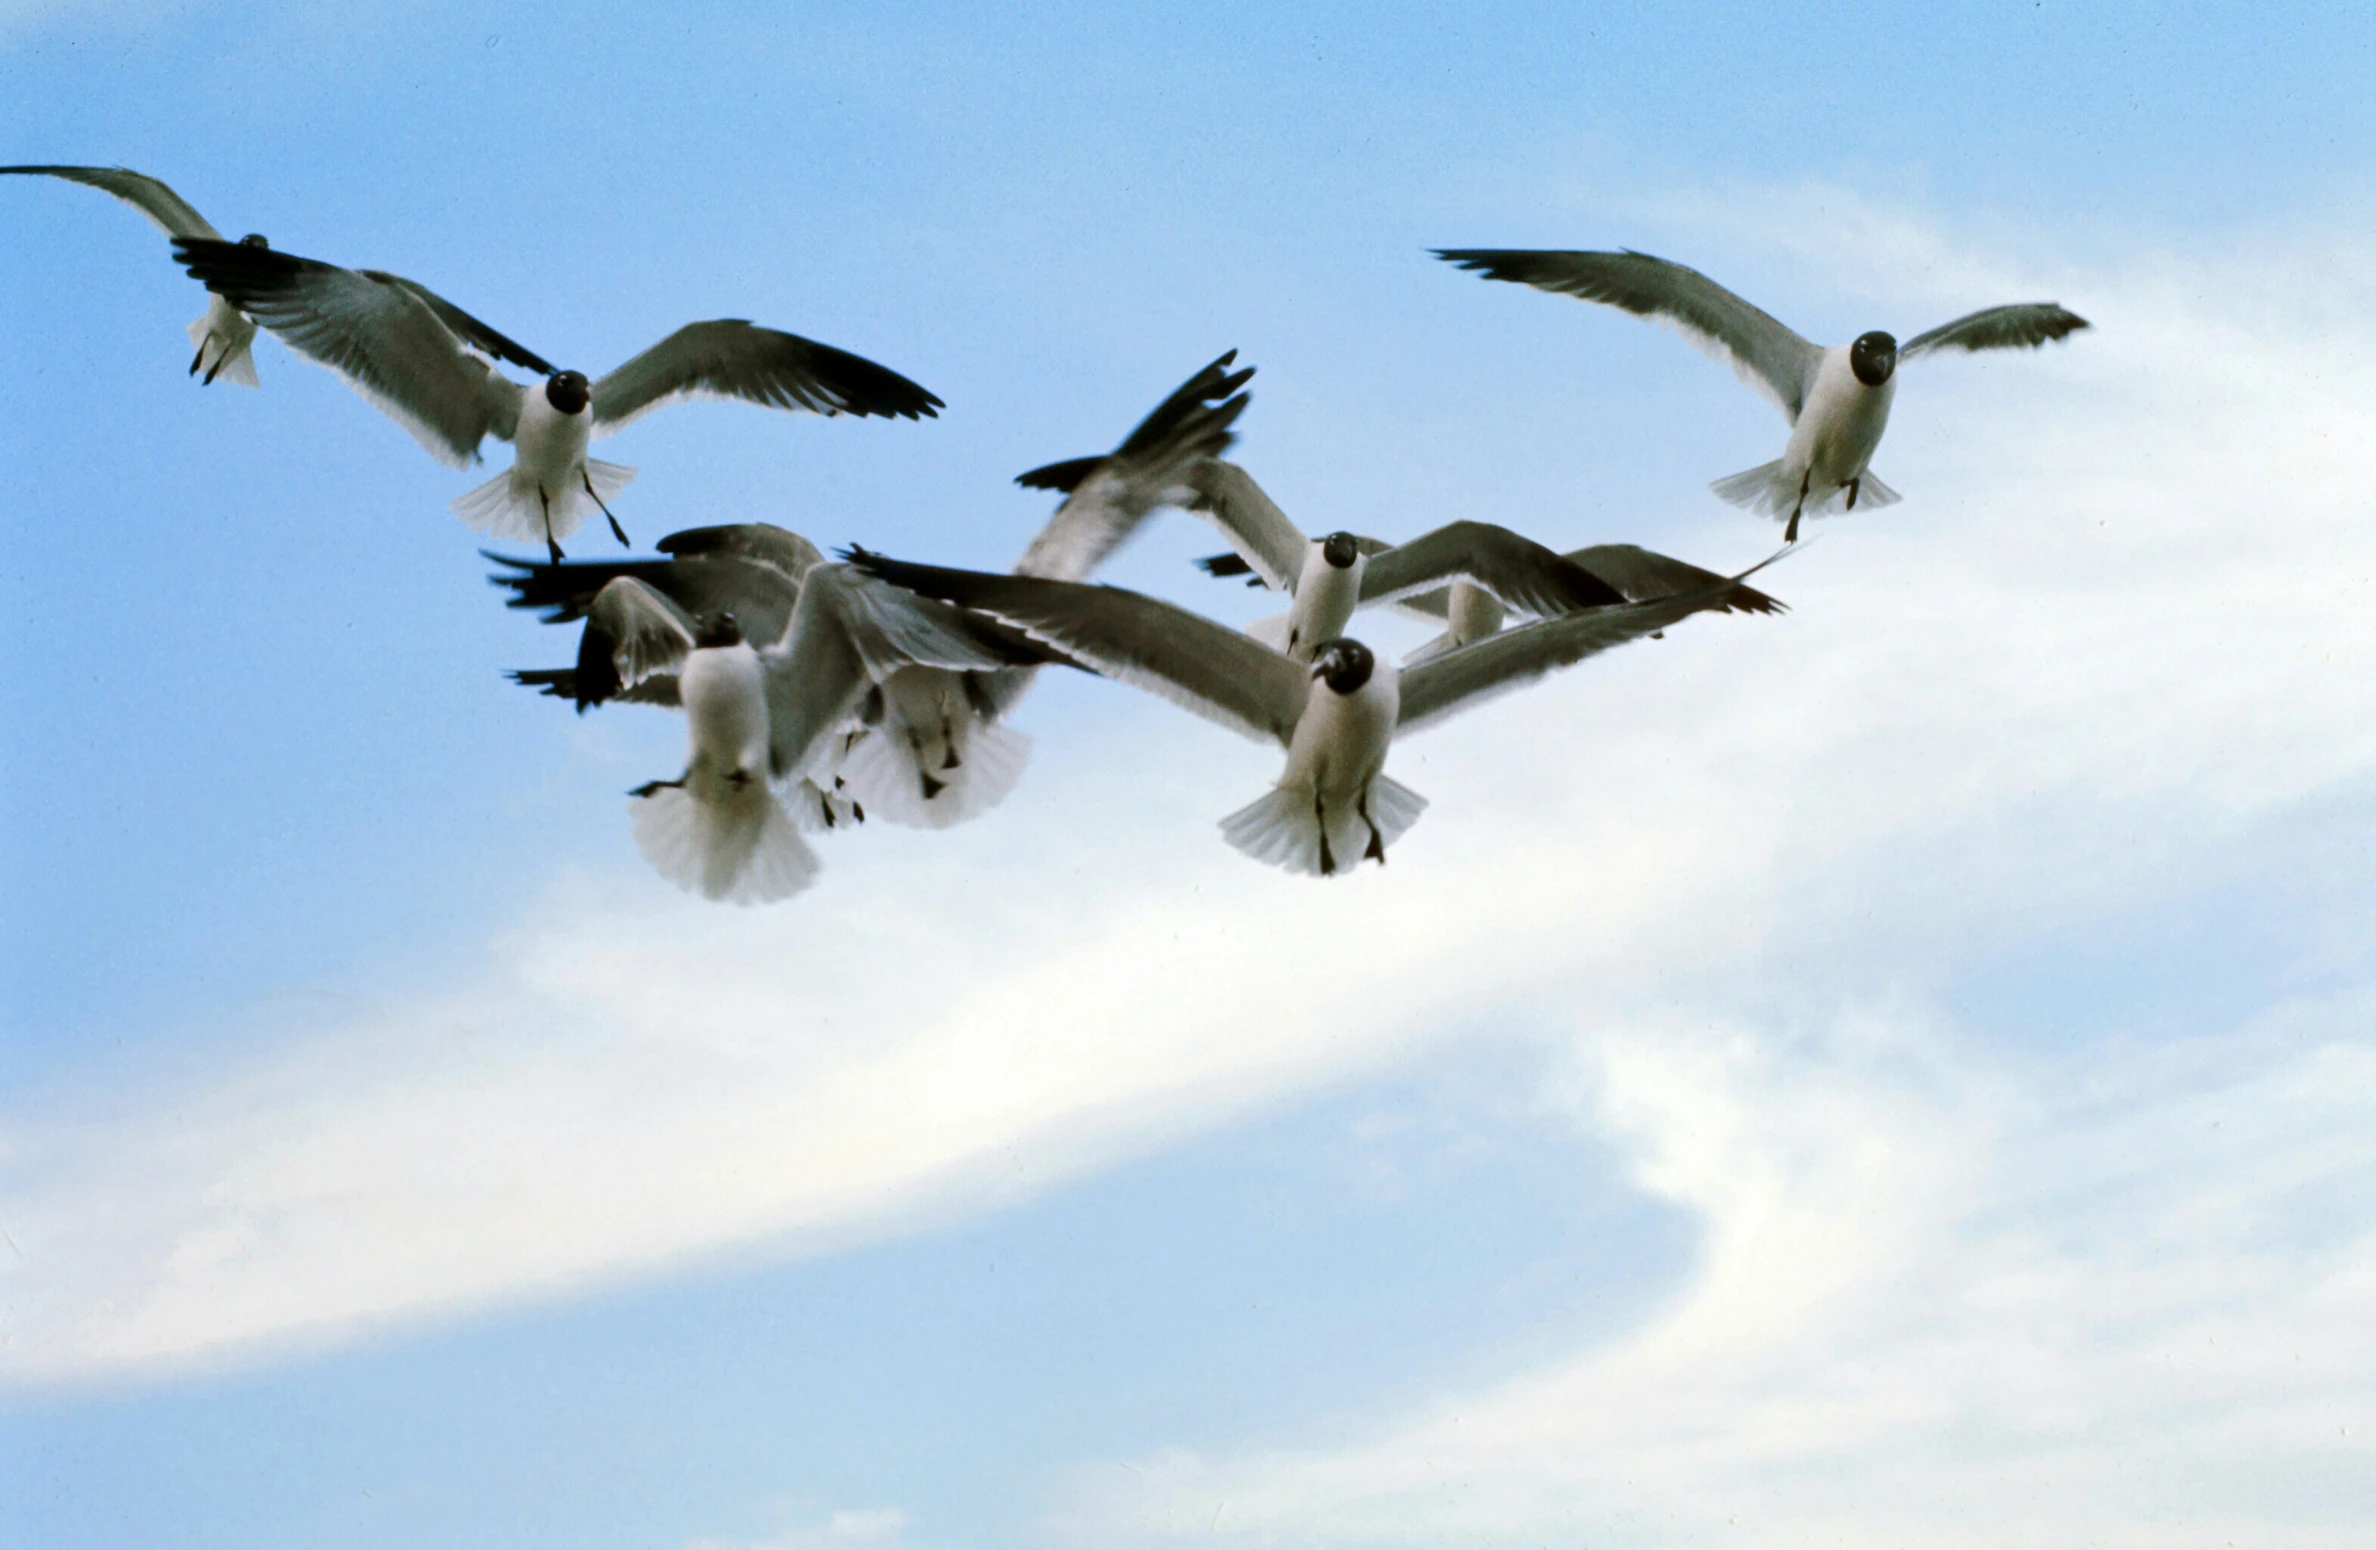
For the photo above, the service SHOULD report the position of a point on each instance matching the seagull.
(1336, 715)
(425, 362)
(1836, 398)
(926, 746)
(761, 718)
(222, 333)
(1468, 574)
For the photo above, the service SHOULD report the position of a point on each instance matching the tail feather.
(499, 510)
(1871, 492)
(1282, 828)
(1765, 489)
(221, 359)
(1272, 631)
(740, 847)
(881, 771)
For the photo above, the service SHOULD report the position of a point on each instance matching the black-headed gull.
(927, 746)
(1836, 399)
(1336, 715)
(1467, 574)
(424, 362)
(762, 719)
(222, 333)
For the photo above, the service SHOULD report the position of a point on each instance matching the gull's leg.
(1790, 533)
(650, 786)
(620, 532)
(1327, 860)
(949, 759)
(1377, 844)
(1854, 485)
(546, 501)
(200, 356)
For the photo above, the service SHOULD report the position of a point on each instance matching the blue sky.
(1900, 1070)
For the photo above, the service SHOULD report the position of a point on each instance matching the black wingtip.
(1225, 565)
(1064, 477)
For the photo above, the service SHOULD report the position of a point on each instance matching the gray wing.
(847, 632)
(2021, 325)
(1205, 667)
(380, 336)
(167, 210)
(762, 543)
(466, 328)
(647, 631)
(732, 358)
(1271, 545)
(1107, 497)
(1499, 663)
(1767, 355)
(1644, 575)
(749, 570)
(1516, 569)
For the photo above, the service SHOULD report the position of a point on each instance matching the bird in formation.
(1836, 399)
(819, 692)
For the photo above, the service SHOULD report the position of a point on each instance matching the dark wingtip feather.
(1065, 477)
(1224, 565)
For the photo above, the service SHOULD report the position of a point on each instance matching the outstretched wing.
(1108, 497)
(1768, 356)
(732, 358)
(643, 630)
(1512, 567)
(2018, 326)
(1476, 672)
(1271, 546)
(1205, 667)
(849, 631)
(378, 334)
(1644, 575)
(466, 328)
(167, 210)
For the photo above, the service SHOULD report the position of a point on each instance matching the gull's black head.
(1344, 664)
(567, 391)
(254, 239)
(1341, 550)
(1873, 357)
(718, 629)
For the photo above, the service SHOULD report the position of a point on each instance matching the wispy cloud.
(2042, 689)
(2080, 1289)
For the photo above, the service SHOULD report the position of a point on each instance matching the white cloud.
(2075, 1291)
(2119, 623)
(842, 1529)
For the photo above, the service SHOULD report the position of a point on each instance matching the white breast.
(1341, 741)
(1325, 598)
(725, 698)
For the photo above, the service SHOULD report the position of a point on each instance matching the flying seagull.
(425, 362)
(761, 718)
(1336, 715)
(1836, 398)
(222, 333)
(1467, 574)
(927, 746)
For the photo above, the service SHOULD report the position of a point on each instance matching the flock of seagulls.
(819, 692)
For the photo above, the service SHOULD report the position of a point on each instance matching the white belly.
(1839, 427)
(1325, 598)
(1341, 742)
(725, 697)
(551, 454)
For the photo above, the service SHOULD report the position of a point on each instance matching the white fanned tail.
(738, 846)
(1766, 489)
(218, 363)
(1870, 491)
(1281, 827)
(888, 775)
(509, 507)
(1272, 632)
